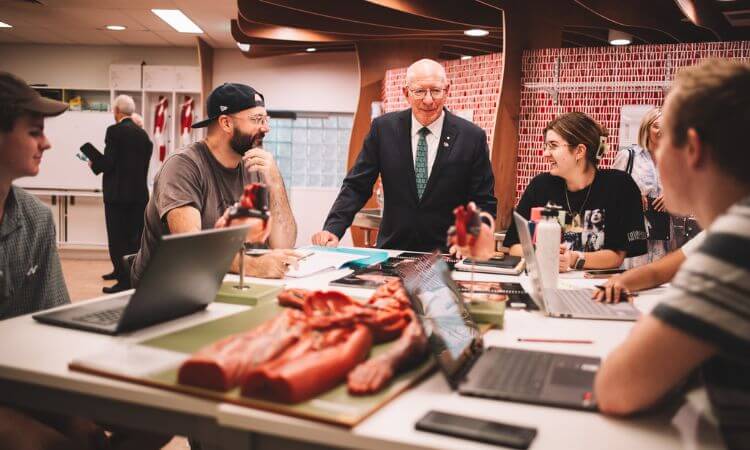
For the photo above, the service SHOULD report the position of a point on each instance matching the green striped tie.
(420, 166)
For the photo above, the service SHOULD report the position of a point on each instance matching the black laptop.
(551, 379)
(182, 277)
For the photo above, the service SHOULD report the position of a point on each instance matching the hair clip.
(603, 147)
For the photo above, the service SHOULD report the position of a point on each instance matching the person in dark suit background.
(430, 161)
(124, 167)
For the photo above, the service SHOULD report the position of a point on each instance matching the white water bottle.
(548, 247)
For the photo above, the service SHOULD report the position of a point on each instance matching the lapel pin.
(448, 137)
(445, 144)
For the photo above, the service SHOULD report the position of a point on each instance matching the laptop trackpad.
(572, 377)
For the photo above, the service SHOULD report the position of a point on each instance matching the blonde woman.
(639, 161)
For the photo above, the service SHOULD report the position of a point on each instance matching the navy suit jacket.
(461, 173)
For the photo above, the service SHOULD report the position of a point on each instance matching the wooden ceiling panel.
(367, 13)
(468, 13)
(261, 12)
(337, 26)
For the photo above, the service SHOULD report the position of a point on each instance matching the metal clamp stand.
(242, 285)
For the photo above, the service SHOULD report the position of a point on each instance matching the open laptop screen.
(452, 334)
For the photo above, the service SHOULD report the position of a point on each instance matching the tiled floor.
(84, 280)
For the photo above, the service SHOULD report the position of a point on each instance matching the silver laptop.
(182, 277)
(566, 303)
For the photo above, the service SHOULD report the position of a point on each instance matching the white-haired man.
(430, 161)
(124, 166)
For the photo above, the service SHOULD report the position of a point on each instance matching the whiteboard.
(60, 168)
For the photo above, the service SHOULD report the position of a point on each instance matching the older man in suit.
(125, 166)
(430, 161)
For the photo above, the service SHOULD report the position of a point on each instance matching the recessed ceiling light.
(243, 47)
(617, 37)
(5, 25)
(465, 57)
(115, 27)
(177, 20)
(476, 32)
(311, 49)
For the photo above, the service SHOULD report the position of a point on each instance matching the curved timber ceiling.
(278, 27)
(275, 27)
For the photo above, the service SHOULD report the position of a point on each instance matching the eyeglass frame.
(549, 148)
(257, 119)
(417, 96)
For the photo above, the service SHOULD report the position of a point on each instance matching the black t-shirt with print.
(611, 216)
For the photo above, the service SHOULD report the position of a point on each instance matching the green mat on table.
(335, 406)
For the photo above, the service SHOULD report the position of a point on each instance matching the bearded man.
(196, 185)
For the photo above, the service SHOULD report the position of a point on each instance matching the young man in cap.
(195, 186)
(703, 323)
(30, 274)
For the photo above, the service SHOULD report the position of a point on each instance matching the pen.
(305, 256)
(556, 341)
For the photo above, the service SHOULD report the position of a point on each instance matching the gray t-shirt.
(192, 177)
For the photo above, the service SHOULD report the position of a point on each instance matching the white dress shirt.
(433, 139)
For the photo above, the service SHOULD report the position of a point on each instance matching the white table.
(33, 373)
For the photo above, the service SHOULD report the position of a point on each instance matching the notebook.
(506, 264)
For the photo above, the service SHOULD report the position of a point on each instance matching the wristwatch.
(580, 261)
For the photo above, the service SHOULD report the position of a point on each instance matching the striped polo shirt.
(710, 300)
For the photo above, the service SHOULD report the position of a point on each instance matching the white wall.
(83, 66)
(327, 82)
(310, 207)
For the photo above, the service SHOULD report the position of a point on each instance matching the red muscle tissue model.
(318, 341)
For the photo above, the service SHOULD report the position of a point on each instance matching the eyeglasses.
(552, 146)
(421, 93)
(258, 119)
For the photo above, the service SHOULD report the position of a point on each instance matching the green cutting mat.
(335, 406)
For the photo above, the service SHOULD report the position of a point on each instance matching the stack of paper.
(319, 261)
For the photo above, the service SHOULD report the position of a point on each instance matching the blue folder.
(373, 256)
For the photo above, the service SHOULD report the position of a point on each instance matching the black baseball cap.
(14, 91)
(230, 98)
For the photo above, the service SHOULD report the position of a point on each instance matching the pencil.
(556, 341)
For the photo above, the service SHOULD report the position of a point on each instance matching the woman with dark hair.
(603, 212)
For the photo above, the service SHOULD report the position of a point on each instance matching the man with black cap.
(30, 273)
(195, 186)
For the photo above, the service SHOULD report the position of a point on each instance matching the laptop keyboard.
(516, 371)
(581, 302)
(106, 317)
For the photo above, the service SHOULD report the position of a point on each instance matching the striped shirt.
(710, 300)
(30, 273)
